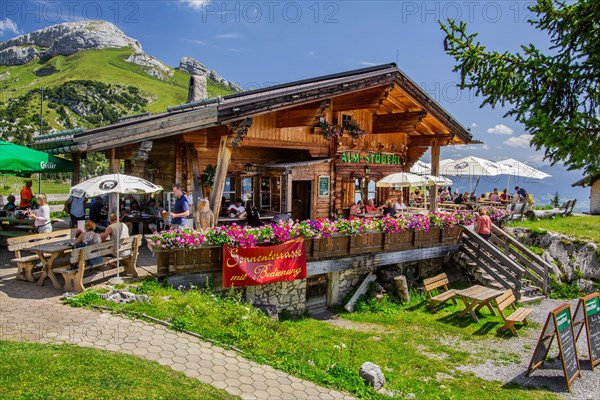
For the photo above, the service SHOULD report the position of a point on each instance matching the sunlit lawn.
(578, 226)
(36, 371)
(13, 185)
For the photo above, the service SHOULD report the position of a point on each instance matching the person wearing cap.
(26, 194)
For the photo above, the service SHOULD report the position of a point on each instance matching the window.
(270, 193)
(247, 189)
(359, 185)
(371, 191)
(228, 192)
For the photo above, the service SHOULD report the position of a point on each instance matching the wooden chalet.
(267, 146)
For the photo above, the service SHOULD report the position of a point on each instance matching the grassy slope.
(107, 65)
(577, 226)
(35, 371)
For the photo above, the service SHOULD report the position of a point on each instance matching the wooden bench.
(26, 263)
(437, 282)
(507, 299)
(128, 254)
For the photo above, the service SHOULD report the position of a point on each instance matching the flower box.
(429, 238)
(452, 235)
(182, 261)
(334, 246)
(368, 242)
(399, 240)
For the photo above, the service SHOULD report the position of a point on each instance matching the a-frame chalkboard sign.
(558, 324)
(587, 316)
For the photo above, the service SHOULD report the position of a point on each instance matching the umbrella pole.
(119, 227)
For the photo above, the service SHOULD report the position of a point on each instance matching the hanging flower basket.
(353, 129)
(330, 131)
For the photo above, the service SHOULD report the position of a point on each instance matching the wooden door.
(301, 200)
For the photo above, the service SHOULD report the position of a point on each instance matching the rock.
(388, 275)
(585, 285)
(372, 375)
(195, 67)
(142, 298)
(402, 288)
(269, 310)
(64, 39)
(151, 65)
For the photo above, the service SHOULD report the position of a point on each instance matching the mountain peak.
(64, 39)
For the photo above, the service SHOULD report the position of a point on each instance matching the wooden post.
(114, 167)
(221, 173)
(435, 163)
(192, 156)
(75, 178)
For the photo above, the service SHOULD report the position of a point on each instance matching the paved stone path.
(32, 313)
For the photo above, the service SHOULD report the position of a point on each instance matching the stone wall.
(290, 296)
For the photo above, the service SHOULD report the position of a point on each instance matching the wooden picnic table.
(475, 298)
(143, 221)
(48, 253)
(230, 220)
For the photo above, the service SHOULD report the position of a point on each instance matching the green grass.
(36, 371)
(14, 184)
(413, 346)
(576, 226)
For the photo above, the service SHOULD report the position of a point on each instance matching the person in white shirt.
(42, 214)
(236, 210)
(399, 205)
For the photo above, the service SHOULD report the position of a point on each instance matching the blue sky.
(260, 43)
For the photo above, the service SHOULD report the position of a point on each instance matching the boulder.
(195, 67)
(151, 65)
(372, 375)
(269, 310)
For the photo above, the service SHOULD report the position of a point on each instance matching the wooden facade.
(267, 148)
(594, 183)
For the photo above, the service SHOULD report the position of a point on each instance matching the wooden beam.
(240, 129)
(428, 140)
(223, 160)
(192, 156)
(76, 174)
(370, 98)
(435, 163)
(377, 259)
(305, 115)
(398, 122)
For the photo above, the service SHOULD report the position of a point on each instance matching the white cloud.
(8, 25)
(310, 53)
(500, 129)
(230, 36)
(519, 141)
(474, 125)
(194, 41)
(485, 147)
(367, 63)
(195, 4)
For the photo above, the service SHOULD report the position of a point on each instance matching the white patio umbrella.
(516, 168)
(401, 179)
(438, 180)
(421, 168)
(471, 166)
(114, 183)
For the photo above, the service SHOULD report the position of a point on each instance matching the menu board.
(587, 316)
(558, 324)
(323, 186)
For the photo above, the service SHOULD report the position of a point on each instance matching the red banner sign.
(266, 264)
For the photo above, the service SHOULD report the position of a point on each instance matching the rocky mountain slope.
(92, 74)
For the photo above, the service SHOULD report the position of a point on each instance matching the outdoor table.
(239, 221)
(143, 221)
(11, 222)
(48, 253)
(475, 298)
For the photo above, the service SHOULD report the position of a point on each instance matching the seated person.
(111, 230)
(151, 207)
(236, 210)
(459, 199)
(482, 197)
(10, 203)
(370, 207)
(252, 215)
(495, 197)
(356, 209)
(415, 197)
(389, 209)
(88, 238)
(473, 197)
(399, 205)
(504, 195)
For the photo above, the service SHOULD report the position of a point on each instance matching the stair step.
(529, 299)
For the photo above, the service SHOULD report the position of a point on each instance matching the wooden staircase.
(504, 263)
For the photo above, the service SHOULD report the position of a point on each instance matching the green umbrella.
(19, 160)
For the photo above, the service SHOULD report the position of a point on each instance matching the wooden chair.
(507, 299)
(437, 282)
(27, 263)
(128, 254)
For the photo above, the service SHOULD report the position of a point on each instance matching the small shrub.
(84, 299)
(374, 305)
(181, 323)
(147, 287)
(561, 290)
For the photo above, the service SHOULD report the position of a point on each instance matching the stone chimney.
(197, 88)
